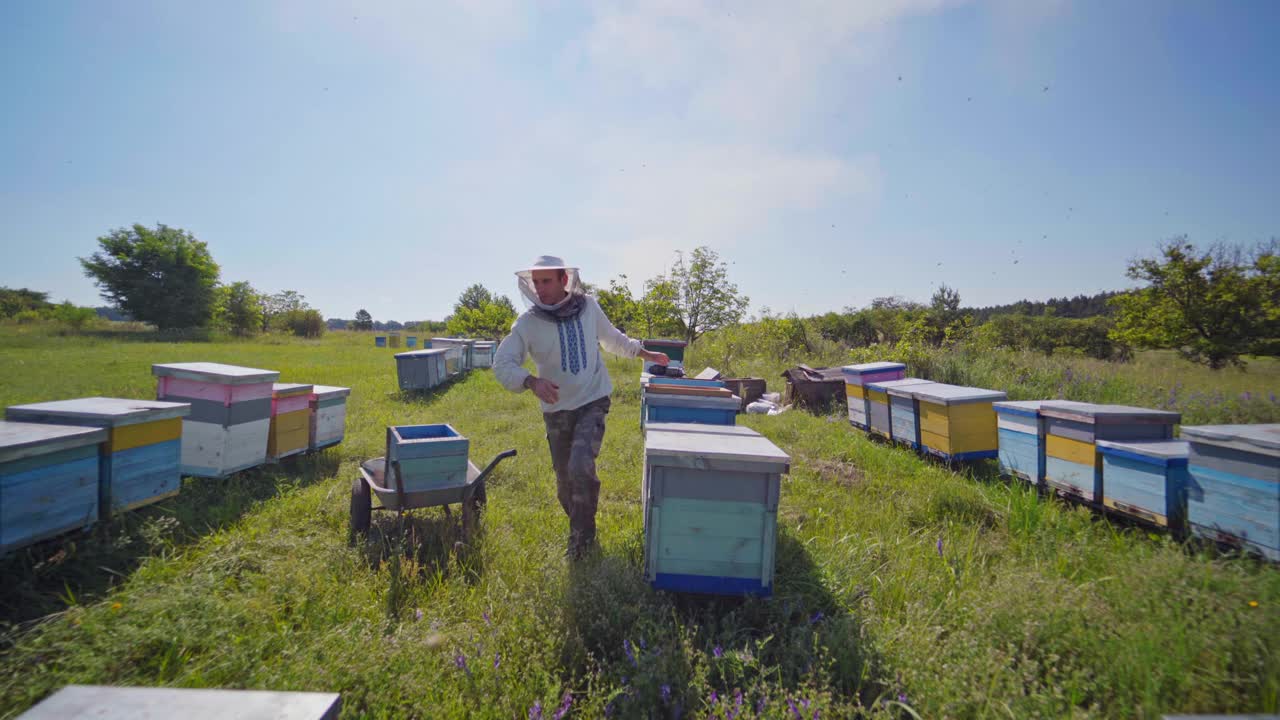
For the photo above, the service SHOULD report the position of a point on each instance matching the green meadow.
(904, 588)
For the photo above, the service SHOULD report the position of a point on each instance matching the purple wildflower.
(665, 692)
(902, 698)
(760, 705)
(626, 680)
(1273, 398)
(642, 645)
(1246, 396)
(715, 699)
(804, 704)
(485, 615)
(817, 618)
(631, 656)
(718, 652)
(939, 546)
(460, 660)
(564, 706)
(535, 712)
(608, 708)
(497, 660)
(417, 614)
(737, 705)
(794, 710)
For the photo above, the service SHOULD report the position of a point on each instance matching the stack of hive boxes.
(328, 422)
(290, 420)
(230, 417)
(856, 378)
(1072, 429)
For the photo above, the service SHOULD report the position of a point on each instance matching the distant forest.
(1080, 306)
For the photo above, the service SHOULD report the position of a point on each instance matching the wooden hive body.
(1145, 479)
(48, 480)
(422, 369)
(328, 422)
(958, 423)
(141, 459)
(430, 456)
(230, 420)
(1021, 435)
(658, 407)
(290, 420)
(879, 412)
(1072, 429)
(856, 379)
(484, 352)
(710, 503)
(904, 416)
(1233, 491)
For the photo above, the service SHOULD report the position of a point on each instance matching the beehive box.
(856, 378)
(710, 503)
(429, 456)
(1021, 431)
(646, 379)
(674, 350)
(90, 702)
(658, 407)
(1145, 479)
(904, 419)
(1233, 492)
(290, 420)
(1072, 466)
(328, 421)
(411, 341)
(878, 409)
(48, 480)
(423, 369)
(142, 455)
(484, 351)
(379, 340)
(958, 423)
(230, 418)
(393, 339)
(463, 356)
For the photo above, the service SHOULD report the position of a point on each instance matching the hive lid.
(282, 390)
(1107, 414)
(99, 411)
(215, 373)
(872, 367)
(733, 402)
(1159, 449)
(943, 394)
(422, 353)
(325, 392)
(907, 391)
(712, 446)
(1261, 438)
(20, 440)
(656, 342)
(700, 428)
(1029, 408)
(886, 385)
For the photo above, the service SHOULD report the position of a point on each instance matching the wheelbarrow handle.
(494, 463)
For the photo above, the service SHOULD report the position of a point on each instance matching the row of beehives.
(479, 353)
(70, 463)
(710, 488)
(445, 360)
(1220, 481)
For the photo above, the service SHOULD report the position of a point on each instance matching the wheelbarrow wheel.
(361, 506)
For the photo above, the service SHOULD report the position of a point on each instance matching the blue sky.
(387, 154)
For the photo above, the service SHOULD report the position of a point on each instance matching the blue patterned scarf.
(573, 344)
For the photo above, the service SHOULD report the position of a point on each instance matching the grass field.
(903, 590)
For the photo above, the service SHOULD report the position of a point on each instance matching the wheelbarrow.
(374, 479)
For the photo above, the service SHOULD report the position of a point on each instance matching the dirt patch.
(846, 474)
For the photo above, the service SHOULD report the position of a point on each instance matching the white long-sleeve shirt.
(566, 352)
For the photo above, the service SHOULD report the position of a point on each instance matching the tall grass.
(903, 589)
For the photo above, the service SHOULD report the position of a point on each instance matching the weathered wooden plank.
(83, 702)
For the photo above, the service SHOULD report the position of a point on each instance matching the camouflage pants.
(575, 437)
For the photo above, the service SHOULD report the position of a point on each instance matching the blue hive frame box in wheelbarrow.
(423, 369)
(661, 407)
(142, 455)
(328, 424)
(48, 480)
(958, 423)
(429, 456)
(879, 412)
(856, 378)
(1233, 493)
(230, 420)
(1072, 466)
(904, 415)
(711, 506)
(90, 702)
(1146, 479)
(1021, 431)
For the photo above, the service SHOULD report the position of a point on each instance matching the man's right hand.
(545, 390)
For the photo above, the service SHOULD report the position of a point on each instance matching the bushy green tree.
(363, 321)
(704, 298)
(1212, 306)
(492, 321)
(657, 314)
(163, 276)
(239, 308)
(14, 301)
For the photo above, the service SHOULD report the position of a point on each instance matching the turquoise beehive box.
(1145, 479)
(1021, 431)
(48, 480)
(710, 507)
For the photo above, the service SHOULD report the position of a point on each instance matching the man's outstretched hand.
(655, 357)
(545, 390)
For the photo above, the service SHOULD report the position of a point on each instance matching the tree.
(13, 301)
(1211, 307)
(656, 312)
(617, 303)
(504, 302)
(240, 308)
(491, 321)
(164, 276)
(364, 321)
(306, 323)
(275, 306)
(475, 298)
(705, 299)
(944, 312)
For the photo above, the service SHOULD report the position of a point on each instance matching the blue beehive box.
(1145, 479)
(411, 341)
(1021, 431)
(1233, 492)
(379, 340)
(422, 369)
(690, 409)
(48, 480)
(646, 380)
(142, 456)
(879, 410)
(1072, 429)
(904, 417)
(429, 456)
(710, 504)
